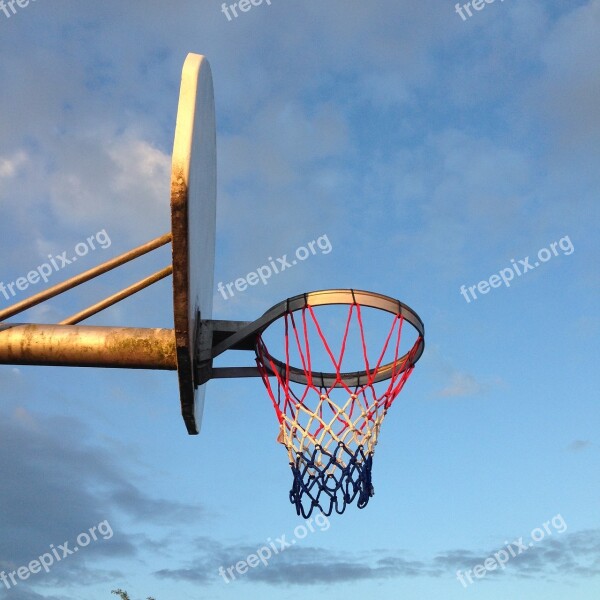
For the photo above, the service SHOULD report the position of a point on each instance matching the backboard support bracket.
(218, 336)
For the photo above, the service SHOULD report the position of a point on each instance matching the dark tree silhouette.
(125, 596)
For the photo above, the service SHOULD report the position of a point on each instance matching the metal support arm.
(216, 337)
(124, 347)
(80, 346)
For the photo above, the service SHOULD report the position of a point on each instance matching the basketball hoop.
(330, 421)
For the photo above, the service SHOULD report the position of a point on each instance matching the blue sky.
(430, 151)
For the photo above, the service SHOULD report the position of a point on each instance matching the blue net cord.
(331, 481)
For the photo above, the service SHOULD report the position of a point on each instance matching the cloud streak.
(572, 555)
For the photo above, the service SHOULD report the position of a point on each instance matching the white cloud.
(10, 166)
(120, 183)
(461, 384)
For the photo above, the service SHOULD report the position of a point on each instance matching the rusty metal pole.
(85, 346)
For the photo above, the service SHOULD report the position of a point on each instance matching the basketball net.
(330, 432)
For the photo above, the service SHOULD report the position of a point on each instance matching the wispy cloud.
(573, 555)
(461, 384)
(579, 445)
